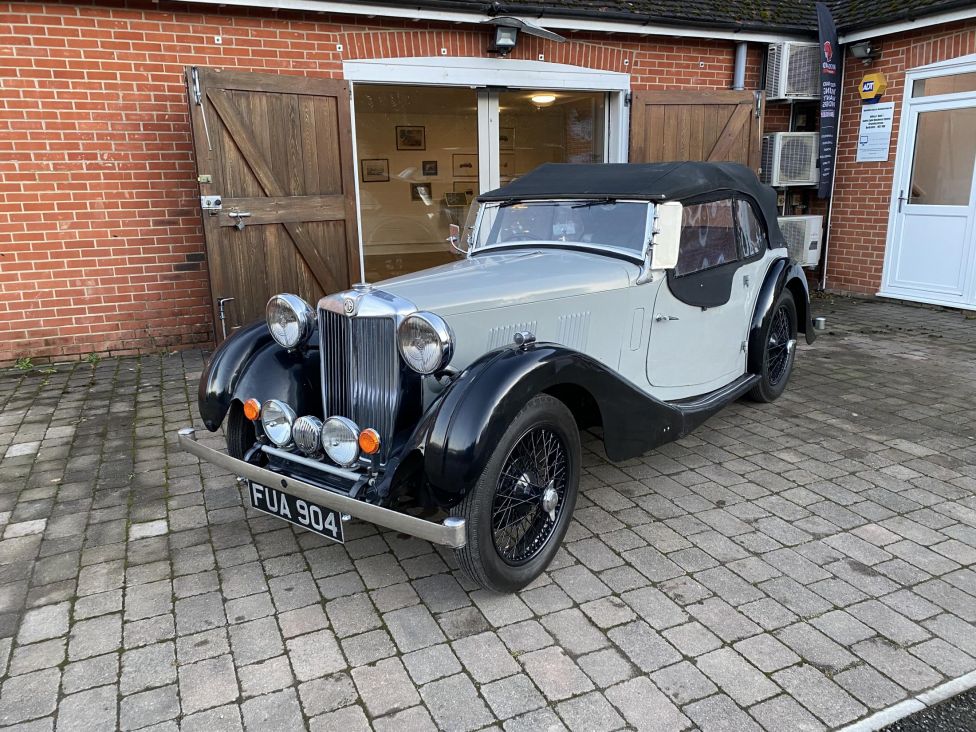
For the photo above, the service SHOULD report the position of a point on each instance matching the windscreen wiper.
(594, 202)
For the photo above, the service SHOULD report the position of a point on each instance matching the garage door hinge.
(628, 98)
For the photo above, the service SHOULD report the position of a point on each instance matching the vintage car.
(447, 404)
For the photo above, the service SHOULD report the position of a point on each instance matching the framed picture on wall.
(421, 192)
(455, 199)
(411, 138)
(465, 165)
(429, 168)
(468, 187)
(375, 170)
(506, 138)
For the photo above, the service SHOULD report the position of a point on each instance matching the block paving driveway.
(791, 566)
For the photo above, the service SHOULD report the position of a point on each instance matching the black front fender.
(250, 363)
(782, 274)
(463, 427)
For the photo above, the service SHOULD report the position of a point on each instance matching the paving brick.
(526, 636)
(90, 672)
(555, 674)
(273, 712)
(255, 641)
(485, 657)
(146, 667)
(897, 664)
(364, 649)
(512, 696)
(29, 696)
(41, 623)
(222, 719)
(736, 676)
(37, 656)
(455, 705)
(589, 712)
(270, 675)
(149, 707)
(816, 648)
(94, 637)
(819, 694)
(314, 655)
(385, 687)
(643, 646)
(723, 620)
(889, 623)
(93, 710)
(327, 694)
(606, 667)
(683, 683)
(413, 628)
(574, 631)
(784, 713)
(645, 707)
(870, 687)
(207, 683)
(766, 653)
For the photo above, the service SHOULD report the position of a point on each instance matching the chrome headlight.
(290, 319)
(426, 342)
(277, 419)
(307, 434)
(340, 440)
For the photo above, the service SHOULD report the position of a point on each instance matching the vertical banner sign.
(830, 60)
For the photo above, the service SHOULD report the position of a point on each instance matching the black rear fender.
(783, 274)
(250, 363)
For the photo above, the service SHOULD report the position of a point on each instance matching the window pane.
(418, 170)
(617, 224)
(707, 237)
(953, 84)
(945, 152)
(536, 127)
(753, 236)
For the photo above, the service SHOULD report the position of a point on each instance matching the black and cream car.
(448, 404)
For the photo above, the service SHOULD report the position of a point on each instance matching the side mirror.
(454, 238)
(667, 235)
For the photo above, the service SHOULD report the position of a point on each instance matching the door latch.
(239, 217)
(661, 318)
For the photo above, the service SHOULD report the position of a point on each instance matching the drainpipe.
(739, 74)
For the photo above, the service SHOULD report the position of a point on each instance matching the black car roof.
(681, 181)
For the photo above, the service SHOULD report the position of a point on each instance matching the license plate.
(323, 521)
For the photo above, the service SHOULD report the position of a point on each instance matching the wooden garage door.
(279, 149)
(714, 126)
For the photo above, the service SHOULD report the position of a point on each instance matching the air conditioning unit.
(790, 159)
(793, 71)
(803, 234)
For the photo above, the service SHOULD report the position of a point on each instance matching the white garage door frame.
(892, 285)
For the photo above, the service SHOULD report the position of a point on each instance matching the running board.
(696, 410)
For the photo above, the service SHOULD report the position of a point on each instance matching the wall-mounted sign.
(872, 86)
(874, 138)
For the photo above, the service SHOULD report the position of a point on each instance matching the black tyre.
(779, 343)
(238, 431)
(518, 512)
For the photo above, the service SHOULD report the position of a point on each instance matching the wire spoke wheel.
(529, 496)
(778, 348)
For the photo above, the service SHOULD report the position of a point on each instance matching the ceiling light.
(543, 100)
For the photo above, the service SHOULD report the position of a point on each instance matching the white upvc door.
(931, 251)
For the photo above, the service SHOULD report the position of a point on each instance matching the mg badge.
(349, 306)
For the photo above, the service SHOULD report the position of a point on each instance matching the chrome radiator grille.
(360, 371)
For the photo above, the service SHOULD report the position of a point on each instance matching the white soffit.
(473, 71)
(413, 12)
(907, 25)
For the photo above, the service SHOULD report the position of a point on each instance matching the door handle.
(239, 217)
(662, 318)
(902, 198)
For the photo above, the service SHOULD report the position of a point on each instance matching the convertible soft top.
(652, 181)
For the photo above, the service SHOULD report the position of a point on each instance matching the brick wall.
(101, 249)
(862, 192)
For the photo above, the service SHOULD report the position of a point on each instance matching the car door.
(754, 255)
(699, 326)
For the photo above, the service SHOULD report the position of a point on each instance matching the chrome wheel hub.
(550, 499)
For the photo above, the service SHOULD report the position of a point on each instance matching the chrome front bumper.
(451, 532)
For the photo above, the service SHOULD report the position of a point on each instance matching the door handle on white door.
(902, 198)
(660, 318)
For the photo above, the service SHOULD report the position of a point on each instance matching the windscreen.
(596, 224)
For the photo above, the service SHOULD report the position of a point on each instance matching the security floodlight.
(507, 31)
